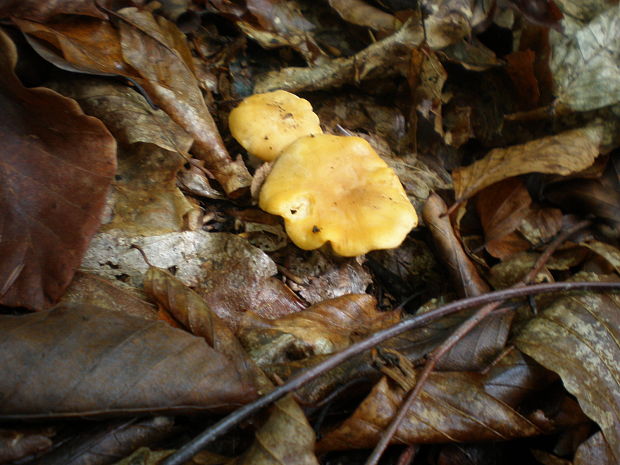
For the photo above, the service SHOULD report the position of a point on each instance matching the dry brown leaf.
(89, 44)
(453, 406)
(607, 251)
(286, 438)
(90, 289)
(594, 450)
(541, 224)
(192, 311)
(158, 51)
(462, 270)
(577, 337)
(56, 166)
(323, 328)
(501, 208)
(564, 153)
(43, 11)
(19, 444)
(361, 13)
(83, 360)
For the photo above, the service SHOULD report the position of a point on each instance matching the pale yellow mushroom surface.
(337, 189)
(264, 124)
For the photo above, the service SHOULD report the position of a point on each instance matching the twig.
(456, 336)
(226, 423)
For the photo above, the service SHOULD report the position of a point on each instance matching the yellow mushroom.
(337, 189)
(264, 124)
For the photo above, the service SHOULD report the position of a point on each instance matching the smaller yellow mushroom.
(337, 189)
(264, 124)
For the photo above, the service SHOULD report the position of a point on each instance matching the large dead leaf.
(577, 337)
(564, 153)
(453, 406)
(585, 63)
(159, 53)
(56, 166)
(232, 275)
(82, 360)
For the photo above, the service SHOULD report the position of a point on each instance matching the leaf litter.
(436, 90)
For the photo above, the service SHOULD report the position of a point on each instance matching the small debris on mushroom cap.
(264, 124)
(337, 189)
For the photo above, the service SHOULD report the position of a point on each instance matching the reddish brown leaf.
(90, 44)
(501, 208)
(82, 360)
(520, 68)
(57, 164)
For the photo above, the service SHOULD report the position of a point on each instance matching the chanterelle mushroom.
(264, 124)
(337, 189)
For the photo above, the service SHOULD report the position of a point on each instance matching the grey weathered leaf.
(577, 336)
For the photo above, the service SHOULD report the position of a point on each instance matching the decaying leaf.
(192, 311)
(232, 275)
(158, 51)
(16, 444)
(453, 406)
(462, 270)
(361, 13)
(82, 360)
(56, 173)
(322, 328)
(577, 337)
(564, 153)
(378, 57)
(585, 64)
(594, 450)
(90, 289)
(42, 11)
(286, 438)
(501, 208)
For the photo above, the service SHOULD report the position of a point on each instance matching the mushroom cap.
(264, 124)
(337, 189)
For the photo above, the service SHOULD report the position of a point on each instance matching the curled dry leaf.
(453, 406)
(83, 360)
(193, 312)
(56, 165)
(322, 328)
(17, 444)
(594, 450)
(564, 153)
(576, 336)
(286, 438)
(361, 13)
(462, 270)
(158, 51)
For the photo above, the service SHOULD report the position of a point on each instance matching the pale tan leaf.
(563, 153)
